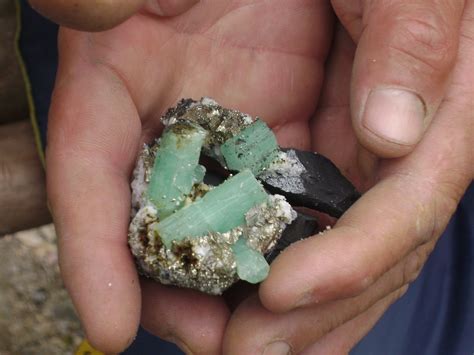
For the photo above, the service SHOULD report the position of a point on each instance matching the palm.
(233, 51)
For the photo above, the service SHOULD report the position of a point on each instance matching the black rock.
(212, 178)
(321, 187)
(302, 227)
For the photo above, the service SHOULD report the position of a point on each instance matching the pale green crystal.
(251, 265)
(254, 148)
(220, 210)
(198, 173)
(176, 168)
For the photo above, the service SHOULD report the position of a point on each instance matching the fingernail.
(277, 348)
(395, 115)
(154, 7)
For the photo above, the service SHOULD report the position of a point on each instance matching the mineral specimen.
(254, 148)
(176, 167)
(220, 210)
(251, 265)
(188, 232)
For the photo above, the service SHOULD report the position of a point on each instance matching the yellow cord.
(27, 83)
(86, 349)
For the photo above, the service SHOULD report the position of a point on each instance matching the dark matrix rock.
(302, 227)
(321, 186)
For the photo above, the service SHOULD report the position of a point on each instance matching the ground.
(36, 314)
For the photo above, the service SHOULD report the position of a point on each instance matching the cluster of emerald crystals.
(188, 233)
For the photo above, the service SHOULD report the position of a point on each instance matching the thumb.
(404, 57)
(100, 15)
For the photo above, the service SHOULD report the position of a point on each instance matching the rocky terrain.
(36, 314)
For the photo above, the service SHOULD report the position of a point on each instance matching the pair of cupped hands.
(383, 88)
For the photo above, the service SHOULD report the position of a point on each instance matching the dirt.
(36, 314)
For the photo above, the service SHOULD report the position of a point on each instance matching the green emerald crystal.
(254, 148)
(251, 265)
(220, 210)
(176, 167)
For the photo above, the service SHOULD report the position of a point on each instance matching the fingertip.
(193, 320)
(169, 8)
(110, 328)
(272, 296)
(104, 288)
(110, 333)
(316, 270)
(110, 340)
(279, 291)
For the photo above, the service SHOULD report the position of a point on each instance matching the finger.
(87, 15)
(342, 339)
(100, 15)
(92, 144)
(410, 205)
(402, 67)
(364, 244)
(253, 329)
(192, 320)
(299, 328)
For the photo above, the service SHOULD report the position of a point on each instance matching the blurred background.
(36, 315)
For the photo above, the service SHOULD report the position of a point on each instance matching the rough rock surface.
(36, 314)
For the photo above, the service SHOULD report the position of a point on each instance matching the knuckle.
(357, 281)
(444, 207)
(355, 278)
(447, 195)
(420, 204)
(415, 261)
(425, 41)
(411, 268)
(400, 292)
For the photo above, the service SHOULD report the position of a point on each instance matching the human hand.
(325, 293)
(110, 84)
(264, 59)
